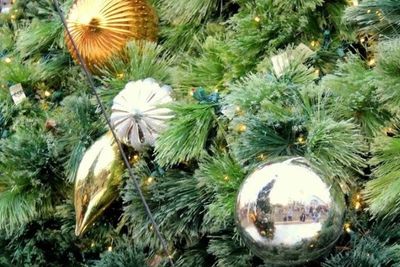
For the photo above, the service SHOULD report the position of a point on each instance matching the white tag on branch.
(17, 93)
(282, 61)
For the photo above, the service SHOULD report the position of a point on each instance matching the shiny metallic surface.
(96, 185)
(101, 29)
(287, 214)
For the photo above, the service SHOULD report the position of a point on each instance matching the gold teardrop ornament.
(102, 28)
(98, 178)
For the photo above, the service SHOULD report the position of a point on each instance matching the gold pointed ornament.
(97, 181)
(102, 28)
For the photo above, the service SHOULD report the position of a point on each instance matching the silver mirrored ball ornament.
(287, 213)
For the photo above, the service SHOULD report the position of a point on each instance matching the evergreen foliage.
(325, 104)
(187, 135)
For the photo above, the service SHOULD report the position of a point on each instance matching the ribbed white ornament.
(137, 117)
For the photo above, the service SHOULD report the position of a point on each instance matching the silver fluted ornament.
(137, 117)
(288, 214)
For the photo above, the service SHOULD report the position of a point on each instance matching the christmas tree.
(201, 95)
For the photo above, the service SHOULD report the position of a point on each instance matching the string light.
(150, 180)
(226, 177)
(242, 128)
(257, 19)
(369, 11)
(13, 16)
(355, 2)
(342, 186)
(120, 75)
(92, 245)
(362, 39)
(238, 109)
(389, 131)
(7, 60)
(347, 228)
(317, 72)
(110, 248)
(313, 43)
(301, 140)
(47, 93)
(371, 62)
(357, 206)
(261, 157)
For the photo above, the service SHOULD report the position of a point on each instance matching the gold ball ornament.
(98, 178)
(102, 28)
(288, 214)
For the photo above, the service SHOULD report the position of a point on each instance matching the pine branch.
(124, 253)
(336, 148)
(39, 36)
(207, 70)
(356, 96)
(382, 194)
(187, 134)
(376, 17)
(181, 11)
(177, 204)
(267, 139)
(29, 176)
(184, 37)
(386, 72)
(43, 243)
(372, 245)
(141, 60)
(220, 176)
(15, 72)
(6, 39)
(229, 252)
(79, 125)
(192, 257)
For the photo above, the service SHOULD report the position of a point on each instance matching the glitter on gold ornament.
(102, 28)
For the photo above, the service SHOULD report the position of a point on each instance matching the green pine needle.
(142, 60)
(376, 17)
(187, 134)
(356, 96)
(30, 176)
(220, 175)
(39, 36)
(383, 193)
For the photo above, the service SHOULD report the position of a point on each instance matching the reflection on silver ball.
(287, 214)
